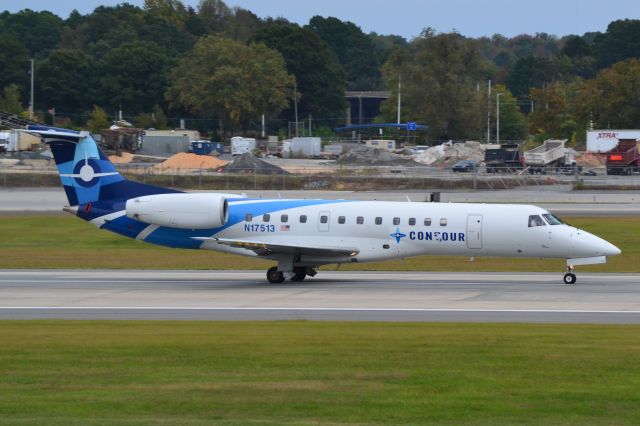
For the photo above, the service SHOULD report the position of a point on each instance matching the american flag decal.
(285, 227)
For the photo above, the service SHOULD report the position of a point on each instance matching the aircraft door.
(324, 218)
(474, 231)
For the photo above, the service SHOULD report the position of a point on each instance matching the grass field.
(317, 373)
(67, 242)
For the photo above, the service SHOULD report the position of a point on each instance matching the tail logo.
(87, 173)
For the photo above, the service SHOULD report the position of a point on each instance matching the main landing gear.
(569, 278)
(299, 273)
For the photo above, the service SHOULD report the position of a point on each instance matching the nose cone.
(596, 245)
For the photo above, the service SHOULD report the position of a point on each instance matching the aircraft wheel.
(274, 276)
(299, 274)
(569, 278)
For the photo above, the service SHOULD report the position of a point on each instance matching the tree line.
(223, 68)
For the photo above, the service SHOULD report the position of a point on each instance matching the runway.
(559, 199)
(332, 295)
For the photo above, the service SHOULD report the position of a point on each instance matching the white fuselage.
(403, 229)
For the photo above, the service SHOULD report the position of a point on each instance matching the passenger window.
(266, 217)
(443, 222)
(248, 217)
(396, 221)
(378, 220)
(552, 220)
(341, 219)
(535, 220)
(284, 218)
(303, 218)
(360, 220)
(427, 221)
(412, 221)
(324, 219)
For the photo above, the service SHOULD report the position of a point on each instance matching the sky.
(408, 17)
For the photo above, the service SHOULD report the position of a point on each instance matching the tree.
(10, 100)
(14, 57)
(214, 15)
(611, 99)
(242, 24)
(356, 52)
(230, 81)
(172, 11)
(531, 71)
(156, 119)
(320, 78)
(385, 44)
(550, 117)
(65, 81)
(98, 120)
(513, 124)
(39, 31)
(620, 42)
(133, 76)
(439, 86)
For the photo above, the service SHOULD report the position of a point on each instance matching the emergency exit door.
(474, 231)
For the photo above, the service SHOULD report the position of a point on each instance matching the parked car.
(464, 166)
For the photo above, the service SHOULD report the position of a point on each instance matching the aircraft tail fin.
(86, 173)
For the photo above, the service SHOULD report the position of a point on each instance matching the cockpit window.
(553, 220)
(535, 220)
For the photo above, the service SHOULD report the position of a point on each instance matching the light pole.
(295, 99)
(498, 117)
(31, 101)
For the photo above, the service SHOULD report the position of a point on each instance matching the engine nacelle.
(182, 210)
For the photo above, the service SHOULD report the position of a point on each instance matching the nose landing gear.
(569, 278)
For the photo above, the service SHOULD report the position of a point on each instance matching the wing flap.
(263, 248)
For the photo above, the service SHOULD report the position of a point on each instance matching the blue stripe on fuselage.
(182, 238)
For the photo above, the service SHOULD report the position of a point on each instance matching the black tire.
(569, 278)
(274, 276)
(299, 274)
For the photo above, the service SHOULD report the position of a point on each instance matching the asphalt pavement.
(331, 295)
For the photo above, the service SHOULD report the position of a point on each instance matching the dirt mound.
(591, 160)
(247, 163)
(123, 158)
(448, 153)
(183, 160)
(367, 156)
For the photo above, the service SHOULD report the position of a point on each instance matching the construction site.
(180, 158)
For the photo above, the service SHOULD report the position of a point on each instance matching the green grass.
(316, 373)
(67, 242)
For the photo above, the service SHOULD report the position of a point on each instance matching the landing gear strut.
(569, 277)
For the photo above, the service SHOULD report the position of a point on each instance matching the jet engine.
(181, 210)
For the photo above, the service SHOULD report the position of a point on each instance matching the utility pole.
(31, 101)
(489, 112)
(399, 95)
(498, 117)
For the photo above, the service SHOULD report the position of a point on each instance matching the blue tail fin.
(86, 173)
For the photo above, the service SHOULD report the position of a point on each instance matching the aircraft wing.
(262, 248)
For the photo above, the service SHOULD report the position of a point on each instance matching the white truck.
(551, 155)
(240, 145)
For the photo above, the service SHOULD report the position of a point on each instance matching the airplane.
(303, 234)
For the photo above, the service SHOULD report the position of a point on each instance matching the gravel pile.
(247, 163)
(184, 160)
(367, 156)
(449, 153)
